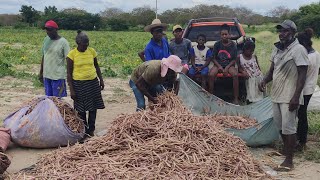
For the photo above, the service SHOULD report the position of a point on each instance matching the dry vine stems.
(166, 143)
(69, 115)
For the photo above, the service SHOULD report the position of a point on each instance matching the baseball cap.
(51, 24)
(287, 24)
(176, 27)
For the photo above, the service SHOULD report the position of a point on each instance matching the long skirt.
(88, 95)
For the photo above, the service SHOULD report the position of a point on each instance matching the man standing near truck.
(181, 47)
(158, 46)
(289, 65)
(53, 71)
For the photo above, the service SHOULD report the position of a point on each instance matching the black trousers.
(302, 131)
(90, 124)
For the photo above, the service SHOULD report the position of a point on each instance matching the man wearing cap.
(289, 64)
(147, 78)
(181, 47)
(53, 64)
(158, 46)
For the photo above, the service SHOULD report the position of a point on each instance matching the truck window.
(211, 32)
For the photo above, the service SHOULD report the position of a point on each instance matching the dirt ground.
(118, 99)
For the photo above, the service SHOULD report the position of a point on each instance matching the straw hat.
(173, 62)
(155, 23)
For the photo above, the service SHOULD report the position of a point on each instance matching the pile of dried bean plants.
(166, 143)
(4, 163)
(69, 115)
(168, 102)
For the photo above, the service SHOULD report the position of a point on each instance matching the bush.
(310, 21)
(127, 69)
(108, 72)
(21, 25)
(5, 69)
(69, 21)
(117, 24)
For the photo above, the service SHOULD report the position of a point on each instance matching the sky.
(96, 6)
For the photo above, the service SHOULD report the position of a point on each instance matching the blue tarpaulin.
(201, 102)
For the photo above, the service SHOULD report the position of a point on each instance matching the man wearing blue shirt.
(158, 46)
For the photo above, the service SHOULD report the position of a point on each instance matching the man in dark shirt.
(224, 59)
(181, 47)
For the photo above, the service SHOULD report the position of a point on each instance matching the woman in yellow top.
(85, 88)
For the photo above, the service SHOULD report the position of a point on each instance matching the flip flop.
(283, 168)
(274, 153)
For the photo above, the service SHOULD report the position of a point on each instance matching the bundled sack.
(4, 138)
(45, 122)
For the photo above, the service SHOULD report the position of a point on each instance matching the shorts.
(55, 87)
(203, 72)
(285, 120)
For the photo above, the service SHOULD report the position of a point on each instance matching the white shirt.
(200, 55)
(312, 74)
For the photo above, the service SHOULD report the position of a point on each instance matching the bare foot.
(236, 101)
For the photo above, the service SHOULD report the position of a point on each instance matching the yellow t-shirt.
(83, 64)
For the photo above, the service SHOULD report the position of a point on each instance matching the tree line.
(118, 20)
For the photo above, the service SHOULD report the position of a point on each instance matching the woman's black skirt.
(88, 95)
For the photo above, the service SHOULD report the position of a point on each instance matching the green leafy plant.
(108, 72)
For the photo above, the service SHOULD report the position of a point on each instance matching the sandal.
(283, 168)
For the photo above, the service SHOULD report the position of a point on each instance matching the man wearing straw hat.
(158, 46)
(147, 78)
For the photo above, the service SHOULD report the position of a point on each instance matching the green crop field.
(117, 51)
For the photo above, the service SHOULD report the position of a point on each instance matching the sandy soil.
(118, 99)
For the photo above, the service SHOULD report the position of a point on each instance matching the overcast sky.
(95, 6)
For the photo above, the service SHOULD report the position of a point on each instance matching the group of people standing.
(294, 71)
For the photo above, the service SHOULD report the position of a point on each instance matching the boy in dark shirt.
(224, 59)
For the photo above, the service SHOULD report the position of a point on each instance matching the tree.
(143, 15)
(74, 11)
(244, 14)
(308, 17)
(29, 15)
(9, 19)
(111, 12)
(117, 24)
(50, 10)
(279, 11)
(310, 9)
